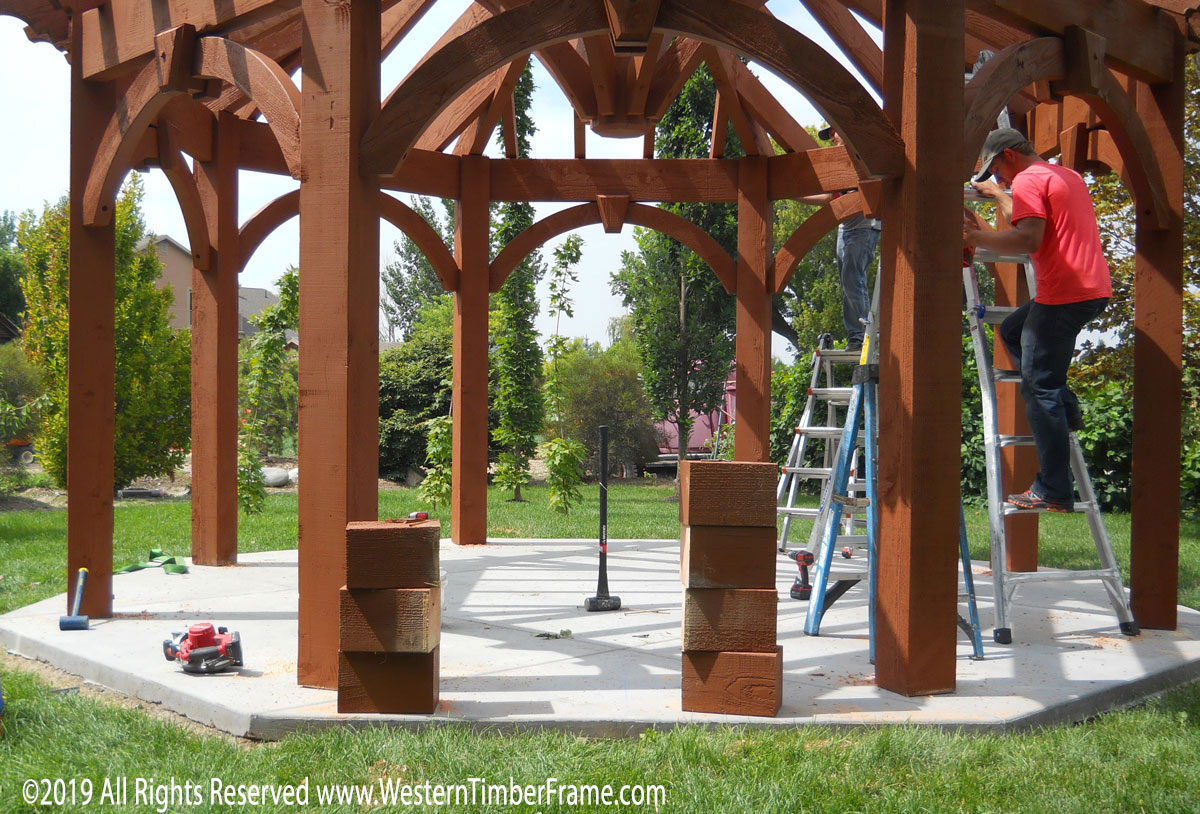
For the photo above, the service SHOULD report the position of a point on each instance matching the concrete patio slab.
(602, 674)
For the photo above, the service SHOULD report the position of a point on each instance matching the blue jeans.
(1041, 339)
(855, 251)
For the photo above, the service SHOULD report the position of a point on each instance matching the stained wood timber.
(396, 683)
(215, 357)
(398, 20)
(418, 230)
(1134, 30)
(577, 217)
(121, 31)
(501, 103)
(261, 80)
(468, 476)
(752, 362)
(260, 151)
(630, 23)
(339, 307)
(998, 80)
(720, 126)
(45, 22)
(736, 619)
(920, 352)
(613, 209)
(763, 106)
(183, 183)
(727, 493)
(391, 620)
(815, 227)
(727, 557)
(192, 126)
(609, 85)
(91, 361)
(851, 37)
(653, 180)
(733, 683)
(751, 133)
(262, 223)
(674, 67)
(458, 115)
(432, 86)
(1157, 366)
(392, 553)
(643, 70)
(428, 173)
(580, 138)
(174, 52)
(827, 169)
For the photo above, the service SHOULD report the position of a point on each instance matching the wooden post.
(1157, 367)
(920, 367)
(215, 359)
(91, 359)
(339, 315)
(468, 501)
(753, 366)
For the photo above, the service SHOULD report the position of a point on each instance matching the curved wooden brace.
(406, 219)
(266, 220)
(998, 80)
(455, 67)
(183, 182)
(260, 79)
(815, 227)
(651, 217)
(139, 105)
(263, 222)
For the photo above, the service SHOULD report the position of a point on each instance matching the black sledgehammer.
(602, 601)
(75, 621)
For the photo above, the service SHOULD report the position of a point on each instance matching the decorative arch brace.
(651, 217)
(873, 143)
(1075, 66)
(179, 58)
(266, 220)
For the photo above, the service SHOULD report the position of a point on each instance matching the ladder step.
(808, 471)
(987, 256)
(827, 432)
(1061, 576)
(796, 511)
(995, 314)
(834, 395)
(1079, 507)
(842, 355)
(1000, 375)
(1014, 440)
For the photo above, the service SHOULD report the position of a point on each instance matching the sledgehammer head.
(75, 621)
(602, 603)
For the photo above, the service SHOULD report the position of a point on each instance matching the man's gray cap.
(997, 142)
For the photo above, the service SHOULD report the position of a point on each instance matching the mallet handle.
(79, 583)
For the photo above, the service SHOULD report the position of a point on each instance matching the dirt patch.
(63, 682)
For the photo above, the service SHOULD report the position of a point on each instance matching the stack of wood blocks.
(731, 663)
(391, 617)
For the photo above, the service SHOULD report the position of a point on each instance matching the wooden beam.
(532, 179)
(630, 23)
(920, 352)
(91, 362)
(468, 500)
(121, 32)
(1157, 366)
(339, 316)
(501, 103)
(762, 105)
(720, 64)
(851, 37)
(815, 227)
(187, 195)
(215, 359)
(754, 287)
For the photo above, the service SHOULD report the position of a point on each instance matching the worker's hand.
(988, 188)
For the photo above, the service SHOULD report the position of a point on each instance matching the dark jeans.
(855, 251)
(1041, 339)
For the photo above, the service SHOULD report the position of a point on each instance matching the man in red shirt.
(1053, 221)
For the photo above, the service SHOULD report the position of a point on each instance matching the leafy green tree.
(20, 394)
(415, 380)
(153, 387)
(518, 354)
(562, 277)
(683, 320)
(410, 284)
(12, 268)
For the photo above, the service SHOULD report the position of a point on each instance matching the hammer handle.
(79, 583)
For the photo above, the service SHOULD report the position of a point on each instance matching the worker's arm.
(1024, 238)
(990, 189)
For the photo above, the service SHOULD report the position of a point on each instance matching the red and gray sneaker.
(1030, 499)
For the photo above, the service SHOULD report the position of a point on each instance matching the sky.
(34, 160)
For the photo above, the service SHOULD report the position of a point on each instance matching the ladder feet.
(1002, 635)
(1130, 628)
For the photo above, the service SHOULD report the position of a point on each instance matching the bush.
(20, 388)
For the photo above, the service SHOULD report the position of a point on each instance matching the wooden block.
(388, 682)
(737, 619)
(392, 553)
(733, 683)
(727, 557)
(391, 620)
(727, 493)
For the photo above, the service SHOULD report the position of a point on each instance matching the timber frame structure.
(1100, 84)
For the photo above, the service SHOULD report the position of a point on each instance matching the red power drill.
(203, 649)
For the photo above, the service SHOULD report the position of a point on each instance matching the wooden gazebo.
(1100, 84)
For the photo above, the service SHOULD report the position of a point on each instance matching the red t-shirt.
(1070, 265)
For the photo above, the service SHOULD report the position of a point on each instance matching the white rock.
(294, 475)
(274, 476)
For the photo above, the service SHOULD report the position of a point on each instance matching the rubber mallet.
(75, 621)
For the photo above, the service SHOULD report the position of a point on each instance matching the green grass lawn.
(1142, 759)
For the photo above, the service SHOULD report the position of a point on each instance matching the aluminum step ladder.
(1007, 582)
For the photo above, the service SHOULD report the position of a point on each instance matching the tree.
(410, 283)
(518, 355)
(152, 429)
(682, 318)
(12, 268)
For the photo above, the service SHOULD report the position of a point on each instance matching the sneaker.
(1030, 499)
